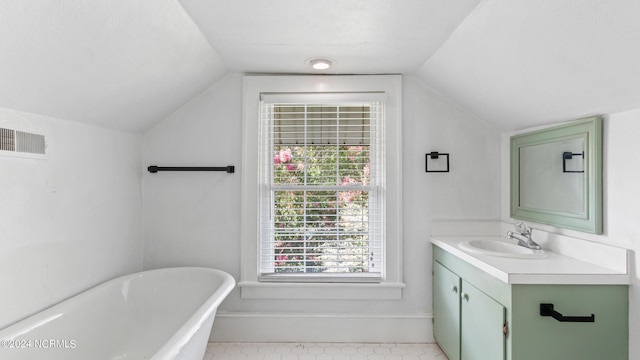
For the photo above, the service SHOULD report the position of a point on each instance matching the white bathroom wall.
(194, 218)
(622, 211)
(621, 163)
(69, 221)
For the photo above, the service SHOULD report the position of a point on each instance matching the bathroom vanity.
(554, 306)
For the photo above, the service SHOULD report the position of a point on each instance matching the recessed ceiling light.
(320, 64)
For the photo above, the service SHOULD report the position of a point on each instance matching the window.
(321, 191)
(321, 187)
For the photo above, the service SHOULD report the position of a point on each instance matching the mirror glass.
(542, 183)
(556, 175)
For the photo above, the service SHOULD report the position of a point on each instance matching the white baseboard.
(324, 328)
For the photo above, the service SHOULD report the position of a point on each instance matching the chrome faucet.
(523, 235)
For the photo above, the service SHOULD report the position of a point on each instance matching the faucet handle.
(523, 229)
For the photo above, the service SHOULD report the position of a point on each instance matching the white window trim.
(391, 286)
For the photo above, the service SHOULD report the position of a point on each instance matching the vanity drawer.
(575, 337)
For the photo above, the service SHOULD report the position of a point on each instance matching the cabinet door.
(446, 310)
(481, 335)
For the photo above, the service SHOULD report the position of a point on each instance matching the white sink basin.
(501, 248)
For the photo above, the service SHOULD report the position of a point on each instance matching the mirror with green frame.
(556, 175)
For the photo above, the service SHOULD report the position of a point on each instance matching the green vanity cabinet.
(468, 324)
(547, 338)
(481, 330)
(446, 305)
(477, 316)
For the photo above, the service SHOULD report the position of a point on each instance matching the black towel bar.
(547, 310)
(230, 169)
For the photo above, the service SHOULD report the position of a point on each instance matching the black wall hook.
(547, 310)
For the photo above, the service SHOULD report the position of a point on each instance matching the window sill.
(321, 291)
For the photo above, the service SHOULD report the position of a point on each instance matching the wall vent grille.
(22, 142)
(7, 139)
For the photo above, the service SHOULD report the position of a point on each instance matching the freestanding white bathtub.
(158, 314)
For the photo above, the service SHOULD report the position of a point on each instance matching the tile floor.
(322, 351)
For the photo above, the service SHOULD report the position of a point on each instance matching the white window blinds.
(321, 190)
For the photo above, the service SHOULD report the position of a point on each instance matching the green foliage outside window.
(321, 209)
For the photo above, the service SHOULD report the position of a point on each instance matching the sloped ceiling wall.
(127, 65)
(523, 63)
(118, 64)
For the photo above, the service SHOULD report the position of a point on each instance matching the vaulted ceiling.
(523, 63)
(127, 64)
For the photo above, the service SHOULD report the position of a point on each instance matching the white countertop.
(553, 269)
